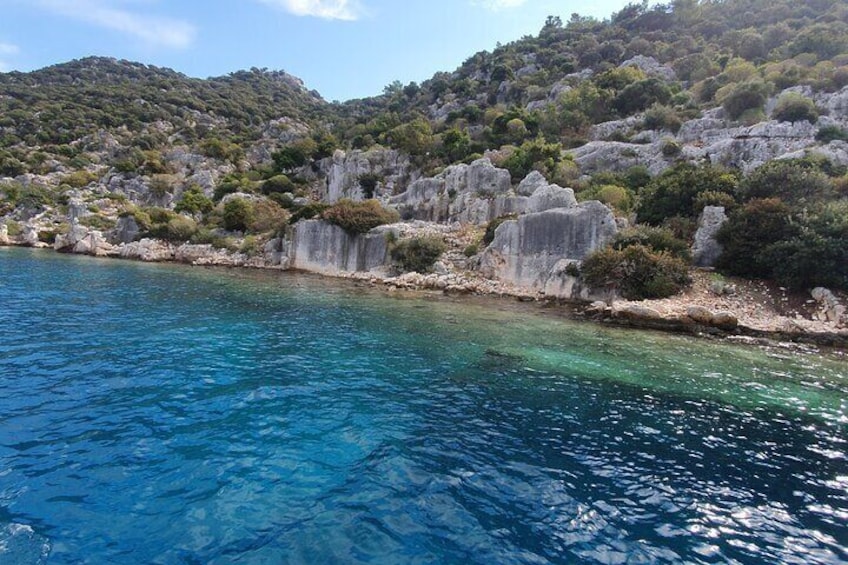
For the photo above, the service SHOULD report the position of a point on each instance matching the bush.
(359, 217)
(417, 254)
(674, 192)
(670, 148)
(368, 183)
(745, 97)
(654, 238)
(748, 233)
(662, 117)
(636, 272)
(818, 254)
(308, 212)
(268, 216)
(237, 215)
(194, 201)
(180, 228)
(792, 180)
(826, 134)
(277, 184)
(792, 107)
(489, 235)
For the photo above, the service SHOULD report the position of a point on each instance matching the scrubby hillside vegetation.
(658, 112)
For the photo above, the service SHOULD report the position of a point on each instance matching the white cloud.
(497, 5)
(349, 10)
(153, 30)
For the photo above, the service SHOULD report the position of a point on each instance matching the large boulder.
(550, 197)
(150, 250)
(321, 247)
(534, 251)
(706, 249)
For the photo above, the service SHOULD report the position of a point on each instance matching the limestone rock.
(706, 250)
(830, 309)
(150, 250)
(4, 235)
(344, 169)
(532, 182)
(550, 197)
(700, 315)
(636, 313)
(322, 247)
(704, 316)
(651, 67)
(126, 230)
(30, 236)
(527, 252)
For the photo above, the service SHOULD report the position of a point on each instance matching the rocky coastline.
(740, 311)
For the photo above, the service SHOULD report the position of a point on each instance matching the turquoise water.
(165, 414)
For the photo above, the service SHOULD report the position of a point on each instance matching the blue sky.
(342, 48)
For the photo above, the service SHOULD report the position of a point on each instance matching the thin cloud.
(6, 50)
(349, 10)
(153, 30)
(497, 5)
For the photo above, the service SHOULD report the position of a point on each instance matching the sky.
(344, 49)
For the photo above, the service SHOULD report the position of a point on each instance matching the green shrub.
(194, 201)
(180, 228)
(359, 217)
(308, 211)
(670, 148)
(368, 183)
(662, 117)
(745, 96)
(277, 184)
(489, 235)
(654, 238)
(418, 253)
(826, 134)
(215, 239)
(636, 272)
(237, 214)
(818, 254)
(79, 179)
(268, 216)
(471, 250)
(792, 107)
(794, 181)
(674, 192)
(714, 198)
(747, 234)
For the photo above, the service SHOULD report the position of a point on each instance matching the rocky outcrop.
(651, 67)
(830, 309)
(474, 193)
(722, 320)
(322, 247)
(126, 230)
(478, 193)
(4, 235)
(150, 250)
(83, 241)
(706, 250)
(343, 172)
(535, 251)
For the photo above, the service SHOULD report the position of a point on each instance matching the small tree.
(237, 215)
(417, 254)
(792, 107)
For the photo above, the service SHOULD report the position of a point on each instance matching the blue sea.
(170, 414)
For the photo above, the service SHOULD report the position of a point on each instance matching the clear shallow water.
(162, 414)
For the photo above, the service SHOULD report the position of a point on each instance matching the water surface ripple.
(159, 414)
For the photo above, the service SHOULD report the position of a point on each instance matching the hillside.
(657, 112)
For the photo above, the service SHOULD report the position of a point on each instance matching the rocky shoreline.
(739, 311)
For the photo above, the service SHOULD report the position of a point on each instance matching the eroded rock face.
(478, 193)
(126, 230)
(150, 250)
(706, 250)
(4, 235)
(344, 170)
(534, 252)
(322, 247)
